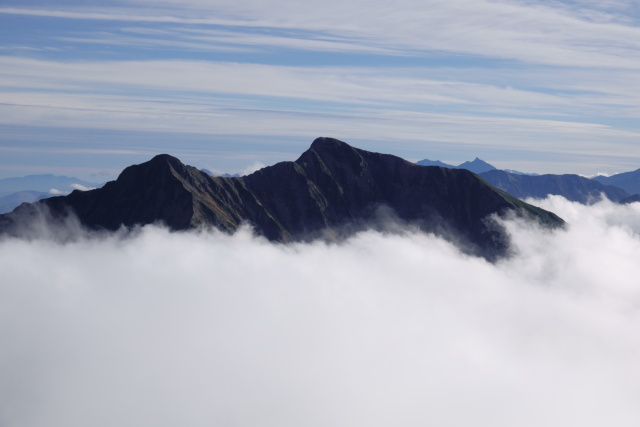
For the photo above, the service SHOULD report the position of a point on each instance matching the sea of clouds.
(154, 328)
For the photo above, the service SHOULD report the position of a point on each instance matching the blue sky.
(88, 88)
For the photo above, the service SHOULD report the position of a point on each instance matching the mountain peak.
(331, 151)
(145, 173)
(323, 144)
(165, 158)
(477, 166)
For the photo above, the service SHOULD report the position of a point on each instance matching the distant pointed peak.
(478, 160)
(477, 166)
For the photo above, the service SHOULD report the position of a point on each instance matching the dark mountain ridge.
(331, 190)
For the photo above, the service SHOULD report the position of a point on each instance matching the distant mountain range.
(628, 181)
(224, 175)
(13, 200)
(331, 191)
(31, 188)
(572, 187)
(42, 183)
(475, 166)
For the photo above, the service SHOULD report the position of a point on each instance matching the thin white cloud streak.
(330, 84)
(530, 32)
(614, 93)
(106, 16)
(206, 41)
(59, 150)
(199, 329)
(414, 87)
(154, 43)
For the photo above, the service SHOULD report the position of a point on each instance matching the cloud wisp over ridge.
(160, 328)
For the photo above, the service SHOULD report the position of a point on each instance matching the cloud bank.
(194, 329)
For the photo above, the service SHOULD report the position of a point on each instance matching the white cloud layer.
(190, 329)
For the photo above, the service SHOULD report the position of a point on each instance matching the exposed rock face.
(572, 187)
(332, 190)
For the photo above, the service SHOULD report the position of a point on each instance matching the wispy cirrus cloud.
(382, 86)
(229, 41)
(381, 104)
(535, 32)
(553, 77)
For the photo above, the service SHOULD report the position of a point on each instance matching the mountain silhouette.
(331, 191)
